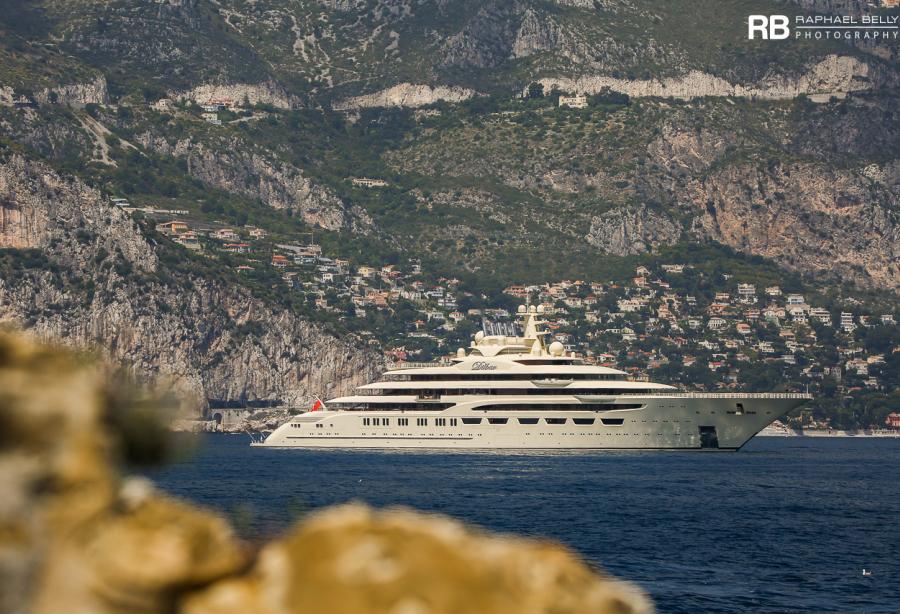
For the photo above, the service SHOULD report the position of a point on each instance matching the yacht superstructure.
(516, 392)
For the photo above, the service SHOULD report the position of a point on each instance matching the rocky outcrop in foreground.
(75, 536)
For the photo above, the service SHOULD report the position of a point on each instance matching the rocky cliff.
(626, 231)
(406, 95)
(267, 93)
(101, 283)
(833, 75)
(238, 166)
(76, 94)
(847, 226)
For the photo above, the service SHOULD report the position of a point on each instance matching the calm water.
(787, 524)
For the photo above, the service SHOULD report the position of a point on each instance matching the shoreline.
(828, 433)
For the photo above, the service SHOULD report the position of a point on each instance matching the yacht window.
(528, 420)
(471, 420)
(555, 420)
(452, 421)
(612, 421)
(498, 420)
(440, 422)
(403, 421)
(385, 421)
(422, 421)
(318, 426)
(560, 406)
(365, 421)
(583, 420)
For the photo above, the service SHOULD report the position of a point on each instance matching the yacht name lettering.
(483, 366)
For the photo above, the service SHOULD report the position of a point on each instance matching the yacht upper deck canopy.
(517, 385)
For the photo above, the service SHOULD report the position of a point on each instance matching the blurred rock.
(353, 559)
(73, 536)
(76, 537)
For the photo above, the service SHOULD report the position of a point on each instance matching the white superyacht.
(516, 392)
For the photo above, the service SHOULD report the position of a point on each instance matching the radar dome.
(521, 308)
(556, 349)
(533, 309)
(540, 309)
(460, 353)
(479, 336)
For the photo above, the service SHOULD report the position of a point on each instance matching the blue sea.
(784, 525)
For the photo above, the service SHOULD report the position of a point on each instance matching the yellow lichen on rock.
(72, 537)
(353, 559)
(76, 537)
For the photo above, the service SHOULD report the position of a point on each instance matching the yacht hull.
(674, 422)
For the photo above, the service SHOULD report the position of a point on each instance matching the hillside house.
(368, 182)
(795, 299)
(163, 105)
(821, 315)
(225, 234)
(717, 323)
(578, 101)
(188, 240)
(747, 292)
(847, 324)
(172, 228)
(281, 262)
(887, 319)
(257, 233)
(516, 290)
(773, 291)
(236, 248)
(743, 328)
(673, 268)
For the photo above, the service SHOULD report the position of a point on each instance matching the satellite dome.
(540, 309)
(460, 353)
(533, 309)
(521, 308)
(479, 336)
(557, 349)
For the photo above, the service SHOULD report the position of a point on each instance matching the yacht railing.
(717, 395)
(417, 365)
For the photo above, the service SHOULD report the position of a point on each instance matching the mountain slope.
(81, 271)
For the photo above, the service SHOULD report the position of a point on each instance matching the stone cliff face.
(70, 94)
(76, 94)
(806, 218)
(105, 286)
(631, 230)
(833, 75)
(406, 95)
(269, 93)
(239, 167)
